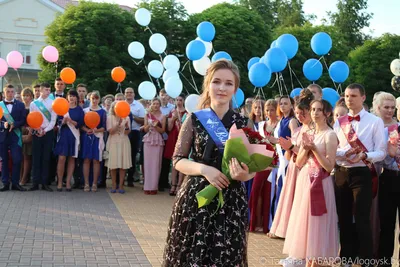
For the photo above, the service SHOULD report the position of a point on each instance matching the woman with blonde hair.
(27, 98)
(256, 114)
(209, 235)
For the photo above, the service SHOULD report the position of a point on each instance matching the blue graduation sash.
(10, 120)
(43, 109)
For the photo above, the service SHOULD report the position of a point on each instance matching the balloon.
(50, 54)
(3, 67)
(158, 43)
(118, 74)
(168, 74)
(147, 90)
(174, 87)
(252, 61)
(60, 106)
(208, 45)
(202, 65)
(395, 84)
(122, 109)
(295, 92)
(312, 69)
(339, 71)
(68, 75)
(321, 43)
(330, 95)
(136, 50)
(195, 50)
(259, 75)
(171, 62)
(289, 44)
(143, 16)
(1, 113)
(273, 44)
(92, 119)
(15, 59)
(276, 59)
(34, 119)
(394, 67)
(206, 31)
(238, 98)
(219, 55)
(191, 103)
(155, 68)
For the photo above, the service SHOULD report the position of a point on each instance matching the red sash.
(355, 143)
(394, 128)
(317, 197)
(153, 118)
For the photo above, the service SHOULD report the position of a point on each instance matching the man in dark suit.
(14, 117)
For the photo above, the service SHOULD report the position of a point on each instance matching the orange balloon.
(118, 74)
(60, 106)
(1, 113)
(34, 119)
(92, 119)
(122, 109)
(68, 75)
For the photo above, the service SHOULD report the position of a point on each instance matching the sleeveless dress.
(173, 135)
(311, 236)
(202, 236)
(93, 146)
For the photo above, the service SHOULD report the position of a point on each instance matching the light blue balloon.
(174, 87)
(171, 62)
(195, 50)
(155, 68)
(276, 59)
(289, 44)
(158, 43)
(168, 74)
(339, 71)
(147, 90)
(220, 55)
(321, 43)
(252, 61)
(259, 75)
(312, 69)
(136, 50)
(330, 95)
(273, 44)
(295, 92)
(238, 98)
(206, 31)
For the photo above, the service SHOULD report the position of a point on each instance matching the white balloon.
(191, 103)
(202, 65)
(136, 50)
(147, 90)
(171, 62)
(155, 68)
(174, 87)
(143, 16)
(158, 43)
(395, 67)
(168, 74)
(208, 45)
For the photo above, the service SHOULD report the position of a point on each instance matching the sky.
(385, 17)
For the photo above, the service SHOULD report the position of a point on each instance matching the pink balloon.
(15, 59)
(50, 53)
(3, 67)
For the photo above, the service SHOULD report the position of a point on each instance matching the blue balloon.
(321, 43)
(219, 55)
(238, 98)
(312, 69)
(195, 50)
(339, 71)
(330, 95)
(289, 44)
(276, 59)
(295, 92)
(206, 31)
(273, 44)
(252, 61)
(259, 75)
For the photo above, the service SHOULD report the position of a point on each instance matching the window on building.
(25, 50)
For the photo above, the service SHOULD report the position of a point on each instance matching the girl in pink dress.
(312, 231)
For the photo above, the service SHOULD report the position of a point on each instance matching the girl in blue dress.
(68, 139)
(93, 143)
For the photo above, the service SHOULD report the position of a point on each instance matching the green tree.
(369, 64)
(265, 8)
(289, 13)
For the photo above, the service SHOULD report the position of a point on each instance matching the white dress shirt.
(9, 106)
(165, 110)
(370, 131)
(137, 110)
(46, 125)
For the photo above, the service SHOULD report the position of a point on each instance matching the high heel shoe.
(94, 188)
(172, 191)
(86, 188)
(59, 189)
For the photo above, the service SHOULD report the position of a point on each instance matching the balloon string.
(279, 84)
(4, 79)
(273, 83)
(190, 70)
(148, 29)
(290, 72)
(187, 80)
(326, 65)
(19, 78)
(145, 66)
(119, 88)
(254, 90)
(262, 91)
(283, 82)
(56, 65)
(158, 82)
(137, 63)
(184, 65)
(294, 73)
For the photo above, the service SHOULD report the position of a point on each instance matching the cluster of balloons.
(328, 94)
(395, 69)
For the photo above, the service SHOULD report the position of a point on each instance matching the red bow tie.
(356, 118)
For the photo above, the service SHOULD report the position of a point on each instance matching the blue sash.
(43, 109)
(214, 127)
(10, 120)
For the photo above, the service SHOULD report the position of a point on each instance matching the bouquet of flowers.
(248, 147)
